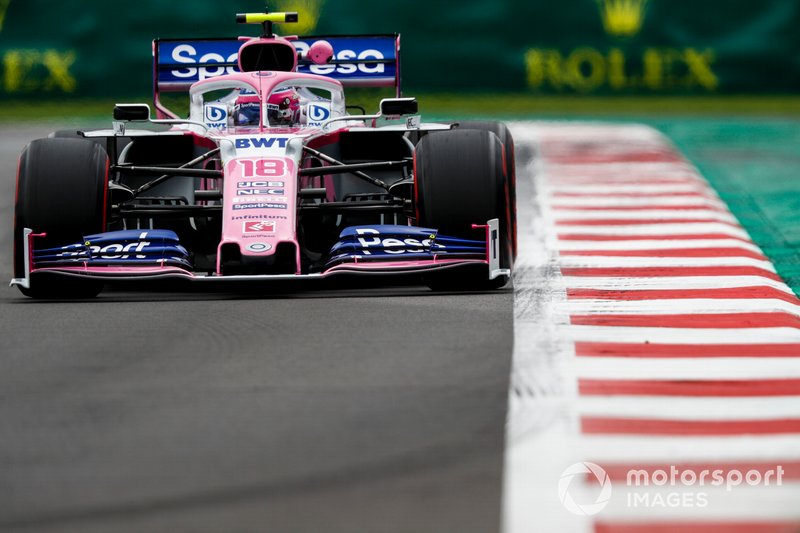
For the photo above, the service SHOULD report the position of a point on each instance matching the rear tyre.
(460, 181)
(62, 185)
(510, 167)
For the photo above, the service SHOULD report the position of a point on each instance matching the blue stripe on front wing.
(137, 247)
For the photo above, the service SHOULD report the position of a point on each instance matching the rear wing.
(358, 61)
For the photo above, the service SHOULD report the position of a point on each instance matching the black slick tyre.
(460, 181)
(62, 186)
(507, 140)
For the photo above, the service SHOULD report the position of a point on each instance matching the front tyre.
(509, 163)
(62, 186)
(460, 181)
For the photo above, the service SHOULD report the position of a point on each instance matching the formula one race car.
(269, 177)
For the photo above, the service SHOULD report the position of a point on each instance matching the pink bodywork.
(275, 181)
(273, 177)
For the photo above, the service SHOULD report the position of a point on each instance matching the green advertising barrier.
(668, 46)
(632, 47)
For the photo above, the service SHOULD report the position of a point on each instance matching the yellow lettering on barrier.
(534, 67)
(674, 68)
(617, 79)
(587, 69)
(653, 64)
(26, 71)
(544, 66)
(58, 65)
(699, 64)
(18, 64)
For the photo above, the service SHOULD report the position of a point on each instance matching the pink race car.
(269, 178)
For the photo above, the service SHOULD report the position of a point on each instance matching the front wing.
(167, 260)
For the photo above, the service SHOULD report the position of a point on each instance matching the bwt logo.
(186, 53)
(262, 142)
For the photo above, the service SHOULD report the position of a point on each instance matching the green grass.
(68, 112)
(469, 105)
(754, 165)
(524, 106)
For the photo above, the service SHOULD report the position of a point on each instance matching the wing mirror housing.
(132, 112)
(399, 106)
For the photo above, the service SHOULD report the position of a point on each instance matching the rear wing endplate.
(358, 61)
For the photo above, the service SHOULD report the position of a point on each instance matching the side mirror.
(138, 112)
(399, 106)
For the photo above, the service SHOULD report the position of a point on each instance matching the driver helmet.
(283, 108)
(246, 110)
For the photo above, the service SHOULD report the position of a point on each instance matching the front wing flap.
(391, 242)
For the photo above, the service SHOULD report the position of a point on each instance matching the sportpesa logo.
(201, 63)
(393, 245)
(113, 251)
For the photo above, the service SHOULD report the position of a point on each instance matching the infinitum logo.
(623, 18)
(569, 487)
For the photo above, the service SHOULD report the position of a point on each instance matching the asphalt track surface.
(376, 410)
